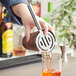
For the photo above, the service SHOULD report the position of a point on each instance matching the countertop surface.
(68, 69)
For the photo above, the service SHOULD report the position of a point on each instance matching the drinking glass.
(51, 67)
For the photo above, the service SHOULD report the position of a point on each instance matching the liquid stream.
(46, 57)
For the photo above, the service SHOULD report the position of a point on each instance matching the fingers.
(50, 28)
(27, 32)
(46, 27)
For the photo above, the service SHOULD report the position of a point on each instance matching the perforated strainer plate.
(45, 42)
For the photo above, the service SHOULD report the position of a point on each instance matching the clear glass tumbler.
(51, 67)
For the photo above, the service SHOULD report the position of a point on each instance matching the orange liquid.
(19, 51)
(51, 73)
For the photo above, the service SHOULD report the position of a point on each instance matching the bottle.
(0, 12)
(1, 31)
(50, 6)
(5, 13)
(6, 40)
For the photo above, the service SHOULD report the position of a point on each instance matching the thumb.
(27, 32)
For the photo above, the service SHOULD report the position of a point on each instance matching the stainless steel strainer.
(43, 42)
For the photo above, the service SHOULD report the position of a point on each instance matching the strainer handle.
(34, 17)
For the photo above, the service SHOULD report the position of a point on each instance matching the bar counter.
(68, 69)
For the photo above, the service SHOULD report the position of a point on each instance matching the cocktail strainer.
(43, 42)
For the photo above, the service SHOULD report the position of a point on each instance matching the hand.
(22, 11)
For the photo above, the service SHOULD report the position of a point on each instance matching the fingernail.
(45, 33)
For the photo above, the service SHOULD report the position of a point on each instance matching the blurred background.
(61, 15)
